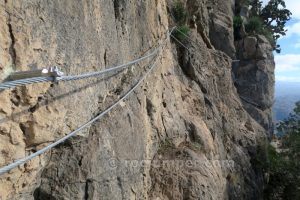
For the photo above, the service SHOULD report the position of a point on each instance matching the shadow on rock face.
(42, 195)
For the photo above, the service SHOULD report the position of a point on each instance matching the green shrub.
(179, 13)
(182, 32)
(237, 25)
(180, 16)
(284, 165)
(259, 160)
(237, 21)
(284, 175)
(274, 16)
(254, 25)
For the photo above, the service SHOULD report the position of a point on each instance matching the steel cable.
(26, 159)
(27, 81)
(195, 43)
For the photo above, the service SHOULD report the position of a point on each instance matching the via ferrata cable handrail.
(195, 43)
(39, 152)
(27, 81)
(111, 69)
(180, 43)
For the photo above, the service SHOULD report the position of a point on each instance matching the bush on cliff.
(180, 16)
(275, 15)
(182, 32)
(179, 13)
(269, 20)
(254, 25)
(237, 25)
(284, 164)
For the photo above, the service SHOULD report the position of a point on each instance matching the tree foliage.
(269, 20)
(292, 124)
(284, 166)
(275, 15)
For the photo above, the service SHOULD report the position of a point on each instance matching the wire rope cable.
(26, 159)
(180, 43)
(27, 81)
(12, 84)
(195, 43)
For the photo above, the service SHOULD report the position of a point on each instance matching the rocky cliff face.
(255, 80)
(184, 134)
(254, 75)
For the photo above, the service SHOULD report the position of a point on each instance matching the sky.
(288, 61)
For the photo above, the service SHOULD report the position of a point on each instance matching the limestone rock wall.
(221, 25)
(254, 78)
(187, 111)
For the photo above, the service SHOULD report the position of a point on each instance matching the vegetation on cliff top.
(269, 20)
(180, 17)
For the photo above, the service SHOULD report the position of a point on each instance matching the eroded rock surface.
(254, 78)
(187, 111)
